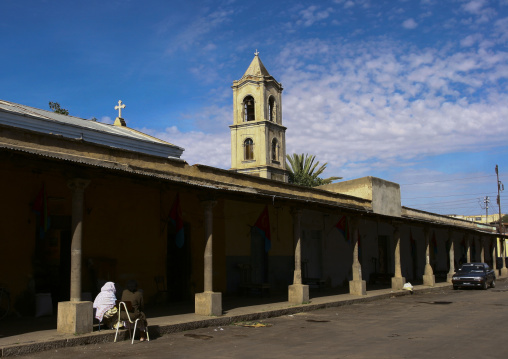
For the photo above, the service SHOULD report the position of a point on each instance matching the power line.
(458, 201)
(450, 180)
(453, 195)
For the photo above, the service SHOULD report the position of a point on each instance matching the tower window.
(248, 145)
(275, 150)
(272, 109)
(248, 109)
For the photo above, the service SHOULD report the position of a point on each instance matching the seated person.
(133, 295)
(105, 304)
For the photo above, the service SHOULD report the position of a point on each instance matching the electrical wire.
(457, 195)
(450, 180)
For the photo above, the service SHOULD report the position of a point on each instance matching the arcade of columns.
(210, 302)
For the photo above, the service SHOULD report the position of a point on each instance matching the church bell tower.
(258, 142)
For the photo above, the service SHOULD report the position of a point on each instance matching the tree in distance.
(304, 172)
(55, 107)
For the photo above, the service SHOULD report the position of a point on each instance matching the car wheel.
(484, 285)
(493, 283)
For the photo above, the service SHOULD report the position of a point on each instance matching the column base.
(504, 272)
(449, 277)
(75, 317)
(357, 287)
(208, 303)
(429, 279)
(398, 282)
(298, 293)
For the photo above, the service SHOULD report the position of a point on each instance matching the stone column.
(357, 286)
(468, 249)
(76, 316)
(398, 280)
(493, 252)
(428, 275)
(452, 258)
(504, 270)
(482, 249)
(298, 293)
(208, 302)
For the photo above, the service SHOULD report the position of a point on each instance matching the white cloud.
(374, 104)
(312, 14)
(470, 40)
(106, 119)
(479, 9)
(197, 30)
(474, 6)
(409, 24)
(200, 147)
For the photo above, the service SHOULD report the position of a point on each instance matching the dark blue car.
(474, 275)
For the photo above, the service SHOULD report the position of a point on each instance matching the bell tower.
(258, 139)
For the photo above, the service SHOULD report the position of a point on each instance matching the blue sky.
(411, 91)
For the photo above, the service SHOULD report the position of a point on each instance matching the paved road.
(447, 324)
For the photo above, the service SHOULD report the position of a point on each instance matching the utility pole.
(485, 206)
(500, 187)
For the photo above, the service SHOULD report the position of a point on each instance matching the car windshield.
(471, 269)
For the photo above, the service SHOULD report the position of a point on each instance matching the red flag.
(262, 225)
(343, 227)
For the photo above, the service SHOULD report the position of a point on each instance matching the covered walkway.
(20, 336)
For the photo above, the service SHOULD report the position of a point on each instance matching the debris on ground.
(252, 324)
(408, 286)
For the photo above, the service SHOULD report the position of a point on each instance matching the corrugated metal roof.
(92, 131)
(185, 180)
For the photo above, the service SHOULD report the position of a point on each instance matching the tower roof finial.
(256, 53)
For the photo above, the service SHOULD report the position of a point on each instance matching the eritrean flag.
(343, 227)
(262, 225)
(175, 216)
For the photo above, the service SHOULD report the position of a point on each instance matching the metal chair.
(128, 306)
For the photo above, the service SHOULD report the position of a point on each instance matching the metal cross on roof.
(256, 53)
(119, 108)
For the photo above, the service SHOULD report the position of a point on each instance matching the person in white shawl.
(105, 302)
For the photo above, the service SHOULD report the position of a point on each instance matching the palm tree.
(304, 172)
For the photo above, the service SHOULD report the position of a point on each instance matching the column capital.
(426, 231)
(208, 204)
(354, 221)
(296, 211)
(78, 184)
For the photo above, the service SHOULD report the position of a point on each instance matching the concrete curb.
(159, 330)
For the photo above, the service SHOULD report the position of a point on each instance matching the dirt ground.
(446, 324)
